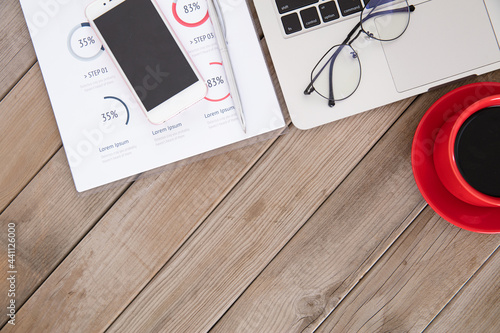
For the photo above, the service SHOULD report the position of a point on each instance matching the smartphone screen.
(146, 51)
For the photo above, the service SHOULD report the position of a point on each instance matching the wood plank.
(16, 51)
(29, 134)
(475, 308)
(255, 19)
(50, 219)
(247, 230)
(176, 200)
(415, 279)
(340, 243)
(128, 246)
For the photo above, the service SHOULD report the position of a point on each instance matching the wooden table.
(319, 230)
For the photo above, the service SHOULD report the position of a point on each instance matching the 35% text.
(110, 115)
(86, 41)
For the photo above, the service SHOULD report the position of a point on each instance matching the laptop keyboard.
(299, 15)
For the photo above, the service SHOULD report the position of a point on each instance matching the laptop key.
(291, 23)
(285, 6)
(329, 11)
(310, 17)
(348, 7)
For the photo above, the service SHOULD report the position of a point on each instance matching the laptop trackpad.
(442, 40)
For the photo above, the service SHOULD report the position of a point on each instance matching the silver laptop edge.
(446, 40)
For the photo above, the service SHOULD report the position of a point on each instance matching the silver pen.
(215, 13)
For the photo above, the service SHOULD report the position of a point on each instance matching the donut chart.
(218, 89)
(115, 109)
(190, 13)
(83, 44)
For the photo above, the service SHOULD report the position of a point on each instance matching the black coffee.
(477, 151)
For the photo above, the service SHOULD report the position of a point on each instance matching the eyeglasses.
(383, 20)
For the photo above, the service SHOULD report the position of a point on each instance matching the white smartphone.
(146, 51)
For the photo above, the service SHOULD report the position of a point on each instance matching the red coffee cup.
(445, 151)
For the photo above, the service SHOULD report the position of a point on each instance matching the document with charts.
(105, 134)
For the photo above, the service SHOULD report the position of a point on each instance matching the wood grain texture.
(315, 230)
(255, 19)
(246, 231)
(313, 274)
(16, 51)
(414, 280)
(128, 246)
(50, 218)
(44, 212)
(340, 242)
(476, 306)
(29, 134)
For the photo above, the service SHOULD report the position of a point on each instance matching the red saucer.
(461, 214)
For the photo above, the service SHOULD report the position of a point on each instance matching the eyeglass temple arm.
(309, 89)
(331, 98)
(349, 35)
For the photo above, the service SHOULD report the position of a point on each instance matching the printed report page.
(105, 134)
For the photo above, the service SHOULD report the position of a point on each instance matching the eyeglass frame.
(331, 101)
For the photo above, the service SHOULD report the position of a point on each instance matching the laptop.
(446, 40)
